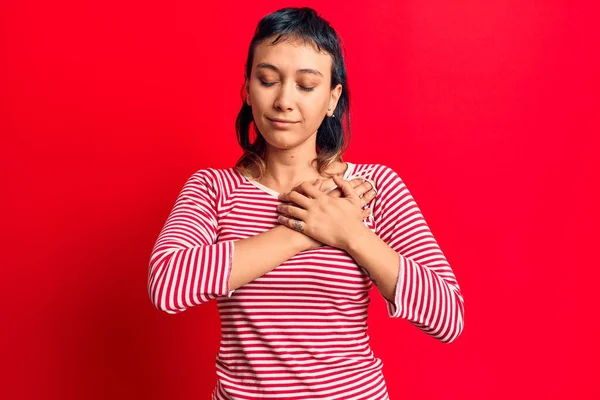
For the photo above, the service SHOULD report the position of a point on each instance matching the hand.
(328, 219)
(362, 188)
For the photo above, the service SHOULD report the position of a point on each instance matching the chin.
(281, 139)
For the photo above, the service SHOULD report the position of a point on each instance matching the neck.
(287, 169)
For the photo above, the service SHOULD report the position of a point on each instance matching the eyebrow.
(303, 70)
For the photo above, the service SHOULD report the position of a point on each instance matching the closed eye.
(269, 84)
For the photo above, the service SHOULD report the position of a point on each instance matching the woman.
(285, 242)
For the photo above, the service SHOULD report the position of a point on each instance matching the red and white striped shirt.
(298, 331)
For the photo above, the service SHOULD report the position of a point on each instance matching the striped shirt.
(298, 331)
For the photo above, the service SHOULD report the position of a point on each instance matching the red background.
(488, 110)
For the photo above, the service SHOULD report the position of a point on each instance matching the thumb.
(345, 187)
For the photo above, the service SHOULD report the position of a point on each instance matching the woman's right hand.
(362, 188)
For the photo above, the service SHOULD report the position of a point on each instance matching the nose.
(284, 100)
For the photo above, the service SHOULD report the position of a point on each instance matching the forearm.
(377, 259)
(255, 256)
(430, 300)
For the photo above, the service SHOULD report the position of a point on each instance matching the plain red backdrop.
(488, 110)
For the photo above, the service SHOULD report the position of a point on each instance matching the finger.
(292, 223)
(368, 196)
(371, 185)
(356, 182)
(293, 211)
(366, 212)
(334, 192)
(362, 188)
(365, 196)
(318, 183)
(297, 198)
(371, 194)
(337, 192)
(298, 189)
(347, 189)
(311, 190)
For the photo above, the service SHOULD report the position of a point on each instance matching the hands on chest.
(325, 213)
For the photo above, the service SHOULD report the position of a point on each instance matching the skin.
(277, 88)
(289, 152)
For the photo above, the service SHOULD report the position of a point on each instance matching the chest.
(326, 272)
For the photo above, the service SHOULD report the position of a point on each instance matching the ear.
(247, 89)
(335, 96)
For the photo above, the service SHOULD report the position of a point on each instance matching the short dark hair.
(306, 25)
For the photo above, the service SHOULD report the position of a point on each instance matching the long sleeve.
(427, 293)
(187, 266)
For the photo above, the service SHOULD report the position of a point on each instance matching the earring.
(332, 115)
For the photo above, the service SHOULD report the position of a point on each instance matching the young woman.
(285, 242)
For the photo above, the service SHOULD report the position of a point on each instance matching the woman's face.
(290, 81)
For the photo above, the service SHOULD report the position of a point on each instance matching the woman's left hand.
(330, 220)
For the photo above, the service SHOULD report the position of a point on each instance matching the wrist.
(297, 239)
(355, 238)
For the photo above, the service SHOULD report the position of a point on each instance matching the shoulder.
(380, 174)
(221, 182)
(206, 175)
(216, 176)
(372, 169)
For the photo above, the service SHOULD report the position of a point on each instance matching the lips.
(282, 121)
